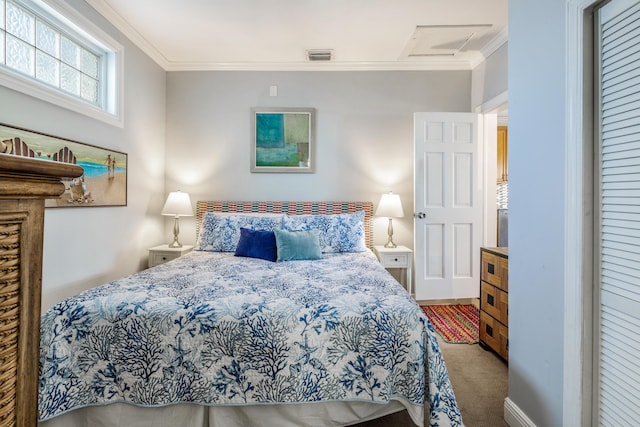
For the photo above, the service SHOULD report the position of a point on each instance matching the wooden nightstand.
(400, 257)
(163, 253)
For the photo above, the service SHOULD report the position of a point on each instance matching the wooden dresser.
(494, 300)
(25, 183)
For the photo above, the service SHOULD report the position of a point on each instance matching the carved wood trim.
(25, 183)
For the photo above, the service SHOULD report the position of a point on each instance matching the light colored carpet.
(479, 380)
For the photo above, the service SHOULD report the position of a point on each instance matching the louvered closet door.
(618, 179)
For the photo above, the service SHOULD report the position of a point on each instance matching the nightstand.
(163, 253)
(400, 257)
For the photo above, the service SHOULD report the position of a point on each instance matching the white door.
(448, 205)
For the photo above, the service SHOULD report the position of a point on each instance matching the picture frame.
(283, 140)
(104, 182)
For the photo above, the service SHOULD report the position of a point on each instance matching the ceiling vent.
(443, 40)
(316, 55)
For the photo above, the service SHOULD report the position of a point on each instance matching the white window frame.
(111, 109)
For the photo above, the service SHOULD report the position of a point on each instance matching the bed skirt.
(191, 415)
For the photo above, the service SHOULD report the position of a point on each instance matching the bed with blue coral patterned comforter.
(218, 330)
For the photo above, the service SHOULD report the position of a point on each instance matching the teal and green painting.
(282, 139)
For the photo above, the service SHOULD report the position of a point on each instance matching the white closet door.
(618, 236)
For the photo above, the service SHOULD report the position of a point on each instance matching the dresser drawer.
(157, 258)
(164, 253)
(494, 302)
(394, 260)
(504, 342)
(494, 334)
(495, 270)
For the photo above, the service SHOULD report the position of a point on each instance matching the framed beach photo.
(104, 182)
(282, 140)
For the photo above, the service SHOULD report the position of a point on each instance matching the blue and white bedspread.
(215, 329)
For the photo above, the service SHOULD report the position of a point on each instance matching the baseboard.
(514, 416)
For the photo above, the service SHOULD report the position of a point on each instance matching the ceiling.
(277, 34)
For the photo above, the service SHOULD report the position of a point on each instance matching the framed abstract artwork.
(104, 182)
(282, 140)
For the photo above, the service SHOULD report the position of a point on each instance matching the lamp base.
(176, 232)
(390, 243)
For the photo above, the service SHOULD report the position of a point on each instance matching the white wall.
(536, 207)
(85, 247)
(364, 135)
(489, 83)
(490, 78)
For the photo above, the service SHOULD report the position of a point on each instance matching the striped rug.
(456, 324)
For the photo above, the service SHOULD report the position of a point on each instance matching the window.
(55, 58)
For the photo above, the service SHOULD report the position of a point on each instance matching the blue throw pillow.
(298, 245)
(256, 244)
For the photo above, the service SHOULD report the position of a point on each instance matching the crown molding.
(495, 43)
(429, 65)
(129, 31)
(468, 62)
(488, 49)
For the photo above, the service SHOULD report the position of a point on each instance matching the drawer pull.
(489, 330)
(491, 268)
(490, 299)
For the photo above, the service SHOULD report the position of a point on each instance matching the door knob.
(421, 215)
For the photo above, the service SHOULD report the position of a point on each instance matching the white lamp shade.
(178, 204)
(390, 206)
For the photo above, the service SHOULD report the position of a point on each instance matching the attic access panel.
(442, 40)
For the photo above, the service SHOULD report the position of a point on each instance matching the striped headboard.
(291, 208)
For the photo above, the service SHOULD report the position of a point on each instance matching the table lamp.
(391, 207)
(178, 204)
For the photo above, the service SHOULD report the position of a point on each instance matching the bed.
(313, 331)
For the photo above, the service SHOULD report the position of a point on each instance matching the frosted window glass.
(70, 79)
(20, 23)
(47, 39)
(70, 52)
(89, 64)
(20, 56)
(89, 89)
(39, 47)
(47, 69)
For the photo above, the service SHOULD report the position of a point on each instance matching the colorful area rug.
(456, 324)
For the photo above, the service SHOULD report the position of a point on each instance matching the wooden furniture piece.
(399, 257)
(494, 300)
(502, 172)
(163, 253)
(24, 185)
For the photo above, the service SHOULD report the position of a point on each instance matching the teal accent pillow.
(298, 245)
